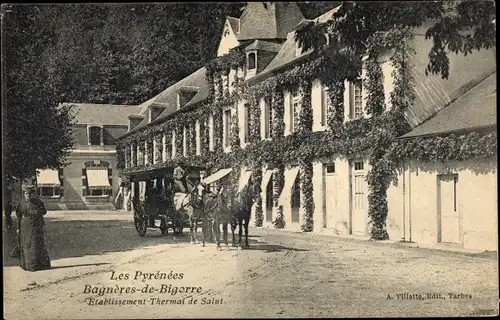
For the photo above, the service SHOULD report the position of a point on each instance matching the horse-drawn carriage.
(153, 200)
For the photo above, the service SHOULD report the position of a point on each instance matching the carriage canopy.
(217, 176)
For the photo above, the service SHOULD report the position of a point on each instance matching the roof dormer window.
(298, 49)
(154, 111)
(252, 60)
(184, 95)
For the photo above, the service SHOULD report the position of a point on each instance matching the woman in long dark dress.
(30, 212)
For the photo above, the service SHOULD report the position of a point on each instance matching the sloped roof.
(168, 98)
(268, 21)
(106, 114)
(474, 109)
(145, 105)
(235, 24)
(432, 92)
(287, 54)
(264, 46)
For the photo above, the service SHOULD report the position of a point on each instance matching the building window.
(198, 137)
(330, 167)
(356, 100)
(211, 133)
(184, 141)
(95, 136)
(48, 191)
(295, 109)
(50, 183)
(227, 127)
(97, 178)
(184, 96)
(251, 61)
(268, 121)
(358, 165)
(173, 146)
(325, 106)
(246, 123)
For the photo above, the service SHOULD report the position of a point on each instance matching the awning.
(244, 178)
(290, 176)
(216, 176)
(97, 178)
(48, 177)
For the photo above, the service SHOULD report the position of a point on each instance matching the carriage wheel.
(140, 226)
(141, 223)
(163, 227)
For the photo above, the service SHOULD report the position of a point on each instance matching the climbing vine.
(335, 112)
(159, 148)
(234, 139)
(121, 156)
(372, 138)
(257, 180)
(448, 147)
(277, 132)
(278, 182)
(192, 139)
(374, 84)
(392, 125)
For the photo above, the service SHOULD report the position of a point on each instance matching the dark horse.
(242, 210)
(192, 204)
(234, 208)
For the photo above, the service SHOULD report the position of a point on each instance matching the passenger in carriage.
(180, 178)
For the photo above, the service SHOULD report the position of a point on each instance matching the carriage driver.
(180, 178)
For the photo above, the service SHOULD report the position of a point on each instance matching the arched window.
(251, 61)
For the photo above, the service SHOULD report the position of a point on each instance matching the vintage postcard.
(249, 160)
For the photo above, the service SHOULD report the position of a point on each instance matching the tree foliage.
(119, 54)
(37, 134)
(364, 27)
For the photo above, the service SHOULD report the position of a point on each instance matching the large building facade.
(91, 178)
(317, 145)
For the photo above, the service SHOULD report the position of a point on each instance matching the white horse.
(191, 204)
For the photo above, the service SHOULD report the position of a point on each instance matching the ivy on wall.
(372, 138)
(278, 182)
(121, 157)
(234, 140)
(374, 84)
(159, 148)
(444, 148)
(277, 132)
(257, 180)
